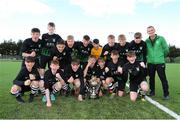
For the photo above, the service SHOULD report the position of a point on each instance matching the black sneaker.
(19, 99)
(31, 98)
(166, 97)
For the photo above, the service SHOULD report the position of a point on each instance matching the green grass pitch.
(69, 107)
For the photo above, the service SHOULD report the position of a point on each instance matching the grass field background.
(69, 107)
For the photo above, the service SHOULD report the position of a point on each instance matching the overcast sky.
(97, 18)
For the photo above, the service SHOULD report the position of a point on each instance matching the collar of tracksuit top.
(153, 41)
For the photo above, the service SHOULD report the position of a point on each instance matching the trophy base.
(93, 96)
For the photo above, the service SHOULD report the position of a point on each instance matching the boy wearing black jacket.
(91, 68)
(49, 41)
(114, 74)
(84, 50)
(53, 81)
(106, 51)
(139, 47)
(27, 80)
(123, 47)
(136, 72)
(72, 47)
(74, 75)
(31, 47)
(61, 54)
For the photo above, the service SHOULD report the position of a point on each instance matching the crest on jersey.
(141, 48)
(103, 73)
(137, 68)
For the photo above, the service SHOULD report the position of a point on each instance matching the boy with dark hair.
(53, 81)
(32, 46)
(106, 51)
(27, 80)
(61, 54)
(84, 50)
(139, 47)
(49, 41)
(136, 72)
(114, 74)
(74, 75)
(97, 49)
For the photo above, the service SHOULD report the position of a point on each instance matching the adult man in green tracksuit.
(157, 50)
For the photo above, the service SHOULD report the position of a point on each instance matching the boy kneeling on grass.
(27, 80)
(114, 79)
(136, 72)
(53, 81)
(74, 76)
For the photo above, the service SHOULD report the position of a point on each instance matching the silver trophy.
(93, 83)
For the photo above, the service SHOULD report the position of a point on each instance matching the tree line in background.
(12, 48)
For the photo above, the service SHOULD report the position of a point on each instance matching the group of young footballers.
(73, 64)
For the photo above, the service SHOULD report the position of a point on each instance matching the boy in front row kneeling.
(136, 72)
(27, 80)
(115, 79)
(74, 76)
(53, 82)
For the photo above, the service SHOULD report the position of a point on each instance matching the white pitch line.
(161, 107)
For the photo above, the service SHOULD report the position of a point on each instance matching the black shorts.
(134, 86)
(45, 60)
(36, 65)
(49, 85)
(121, 85)
(25, 88)
(121, 82)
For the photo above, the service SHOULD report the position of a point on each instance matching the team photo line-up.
(86, 69)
